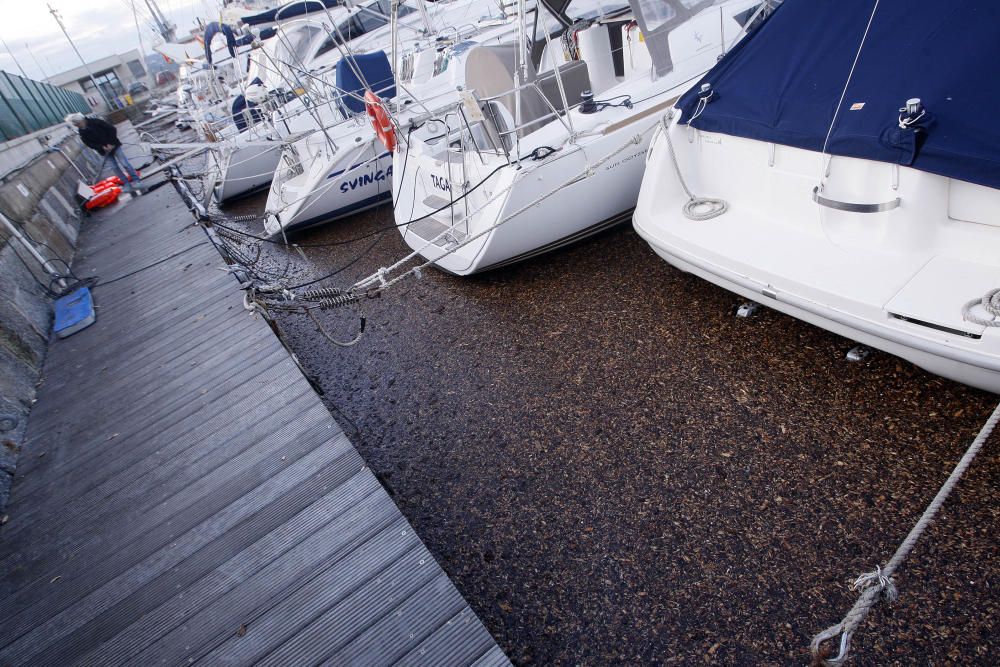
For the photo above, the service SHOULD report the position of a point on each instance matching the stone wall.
(39, 197)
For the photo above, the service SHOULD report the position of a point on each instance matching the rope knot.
(876, 579)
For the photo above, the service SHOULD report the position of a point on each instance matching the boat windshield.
(578, 10)
(295, 46)
(658, 12)
(369, 17)
(596, 9)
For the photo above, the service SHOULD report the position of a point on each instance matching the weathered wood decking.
(184, 497)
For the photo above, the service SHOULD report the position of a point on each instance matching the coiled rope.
(698, 209)
(878, 583)
(990, 302)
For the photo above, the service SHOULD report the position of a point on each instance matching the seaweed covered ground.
(616, 470)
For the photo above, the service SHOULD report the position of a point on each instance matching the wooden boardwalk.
(184, 497)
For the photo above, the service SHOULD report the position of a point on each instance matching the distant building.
(114, 74)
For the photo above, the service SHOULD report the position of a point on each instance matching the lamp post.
(55, 15)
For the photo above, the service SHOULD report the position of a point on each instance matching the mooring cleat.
(858, 353)
(747, 309)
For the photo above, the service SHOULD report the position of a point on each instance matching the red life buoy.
(103, 198)
(384, 130)
(101, 186)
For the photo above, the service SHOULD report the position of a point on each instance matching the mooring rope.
(696, 208)
(990, 303)
(878, 583)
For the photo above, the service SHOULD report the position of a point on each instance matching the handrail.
(851, 207)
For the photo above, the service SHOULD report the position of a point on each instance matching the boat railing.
(509, 137)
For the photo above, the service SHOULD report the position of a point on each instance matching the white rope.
(990, 302)
(878, 583)
(698, 209)
(847, 84)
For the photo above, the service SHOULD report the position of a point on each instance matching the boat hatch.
(934, 296)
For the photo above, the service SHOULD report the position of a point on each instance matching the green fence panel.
(27, 105)
(49, 106)
(14, 124)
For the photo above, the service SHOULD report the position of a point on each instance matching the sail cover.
(784, 82)
(290, 10)
(357, 73)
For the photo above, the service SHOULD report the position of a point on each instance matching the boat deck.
(183, 495)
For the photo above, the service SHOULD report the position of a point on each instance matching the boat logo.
(615, 165)
(441, 183)
(366, 179)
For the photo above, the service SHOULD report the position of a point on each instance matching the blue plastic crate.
(74, 311)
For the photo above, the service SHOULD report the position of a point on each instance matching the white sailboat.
(547, 148)
(345, 168)
(286, 93)
(840, 198)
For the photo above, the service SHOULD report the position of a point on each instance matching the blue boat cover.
(232, 41)
(375, 71)
(783, 83)
(211, 30)
(290, 10)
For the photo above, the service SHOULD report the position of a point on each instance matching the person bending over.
(102, 136)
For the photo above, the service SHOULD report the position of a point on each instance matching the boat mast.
(521, 73)
(166, 29)
(142, 48)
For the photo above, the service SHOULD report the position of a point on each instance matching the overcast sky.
(98, 27)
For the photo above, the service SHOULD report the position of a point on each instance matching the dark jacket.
(98, 133)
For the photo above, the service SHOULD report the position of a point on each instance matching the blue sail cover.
(375, 71)
(215, 28)
(782, 83)
(290, 10)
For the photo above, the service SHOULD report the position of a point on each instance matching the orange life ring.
(103, 198)
(101, 186)
(384, 130)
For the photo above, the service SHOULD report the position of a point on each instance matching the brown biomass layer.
(615, 469)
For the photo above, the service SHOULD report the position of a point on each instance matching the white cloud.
(98, 27)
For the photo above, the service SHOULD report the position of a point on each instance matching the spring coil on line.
(338, 301)
(247, 217)
(228, 235)
(321, 293)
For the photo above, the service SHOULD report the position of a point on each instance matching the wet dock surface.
(614, 469)
(184, 497)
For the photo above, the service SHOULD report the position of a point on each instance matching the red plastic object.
(103, 198)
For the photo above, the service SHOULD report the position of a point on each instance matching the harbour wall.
(38, 194)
